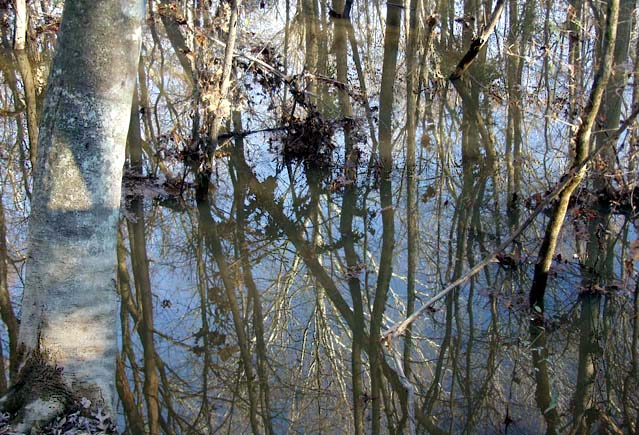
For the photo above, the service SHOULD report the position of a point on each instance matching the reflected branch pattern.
(357, 217)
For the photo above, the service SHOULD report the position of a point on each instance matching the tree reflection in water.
(297, 183)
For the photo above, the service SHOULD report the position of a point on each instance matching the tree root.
(38, 396)
(41, 402)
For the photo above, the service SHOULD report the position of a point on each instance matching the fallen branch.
(478, 43)
(399, 328)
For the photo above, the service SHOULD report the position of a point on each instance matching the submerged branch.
(399, 328)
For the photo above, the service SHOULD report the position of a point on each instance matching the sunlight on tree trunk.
(69, 303)
(24, 66)
(582, 142)
(20, 25)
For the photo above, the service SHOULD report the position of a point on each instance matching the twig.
(253, 59)
(244, 133)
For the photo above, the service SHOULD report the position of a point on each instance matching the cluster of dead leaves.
(81, 419)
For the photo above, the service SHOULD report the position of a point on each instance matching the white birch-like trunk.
(69, 304)
(20, 25)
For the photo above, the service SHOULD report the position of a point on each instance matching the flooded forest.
(410, 216)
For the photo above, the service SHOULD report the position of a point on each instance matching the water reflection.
(292, 193)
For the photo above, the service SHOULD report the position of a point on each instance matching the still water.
(280, 215)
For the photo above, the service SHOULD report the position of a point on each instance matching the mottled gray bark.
(69, 303)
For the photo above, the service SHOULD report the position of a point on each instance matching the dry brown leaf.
(634, 250)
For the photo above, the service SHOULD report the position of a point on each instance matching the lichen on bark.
(69, 303)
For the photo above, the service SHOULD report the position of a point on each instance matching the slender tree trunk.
(543, 391)
(258, 319)
(6, 309)
(362, 84)
(597, 269)
(389, 68)
(134, 419)
(216, 114)
(178, 42)
(69, 304)
(20, 25)
(633, 371)
(589, 327)
(411, 179)
(28, 83)
(204, 333)
(140, 263)
(9, 68)
(349, 200)
(582, 147)
(546, 252)
(575, 32)
(311, 28)
(518, 39)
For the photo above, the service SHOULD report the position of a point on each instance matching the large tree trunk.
(69, 304)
